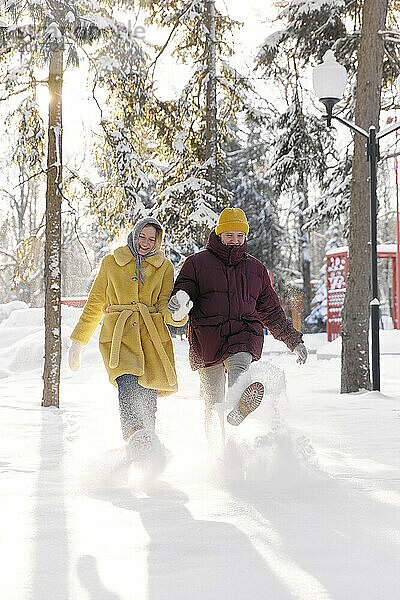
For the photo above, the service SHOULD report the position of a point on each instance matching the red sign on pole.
(336, 276)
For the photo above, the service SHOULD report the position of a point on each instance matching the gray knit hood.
(133, 238)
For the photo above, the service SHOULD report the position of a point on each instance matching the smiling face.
(233, 238)
(147, 240)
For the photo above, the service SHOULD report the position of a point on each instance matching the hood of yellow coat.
(123, 256)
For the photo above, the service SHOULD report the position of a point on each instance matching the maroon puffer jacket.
(232, 300)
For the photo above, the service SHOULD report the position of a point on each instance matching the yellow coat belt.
(126, 310)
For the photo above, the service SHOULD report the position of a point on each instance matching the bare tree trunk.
(355, 325)
(304, 254)
(211, 99)
(52, 258)
(306, 271)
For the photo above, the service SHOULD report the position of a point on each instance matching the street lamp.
(329, 80)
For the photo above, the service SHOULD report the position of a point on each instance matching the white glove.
(173, 304)
(73, 355)
(180, 304)
(302, 353)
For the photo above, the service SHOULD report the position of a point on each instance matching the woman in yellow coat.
(131, 293)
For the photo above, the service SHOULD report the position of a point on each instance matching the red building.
(336, 277)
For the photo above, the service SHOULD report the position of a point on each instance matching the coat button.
(134, 324)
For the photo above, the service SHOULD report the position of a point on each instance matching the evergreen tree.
(192, 131)
(123, 151)
(309, 29)
(332, 202)
(38, 35)
(299, 153)
(252, 191)
(298, 159)
(305, 31)
(25, 146)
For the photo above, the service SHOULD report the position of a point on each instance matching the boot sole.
(249, 401)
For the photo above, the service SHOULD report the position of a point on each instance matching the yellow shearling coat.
(133, 338)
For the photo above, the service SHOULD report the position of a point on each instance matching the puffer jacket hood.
(230, 255)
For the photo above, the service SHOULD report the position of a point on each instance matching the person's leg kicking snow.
(251, 398)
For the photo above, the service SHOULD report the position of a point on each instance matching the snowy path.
(318, 517)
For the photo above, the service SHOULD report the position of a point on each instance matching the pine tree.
(299, 154)
(189, 132)
(332, 203)
(39, 34)
(298, 159)
(123, 151)
(24, 141)
(309, 29)
(252, 191)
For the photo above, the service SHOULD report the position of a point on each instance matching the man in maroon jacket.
(230, 298)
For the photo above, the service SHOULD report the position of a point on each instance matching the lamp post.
(329, 80)
(397, 243)
(397, 268)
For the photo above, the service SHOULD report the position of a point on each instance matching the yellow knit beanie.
(232, 219)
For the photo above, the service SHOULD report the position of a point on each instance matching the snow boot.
(249, 401)
(140, 443)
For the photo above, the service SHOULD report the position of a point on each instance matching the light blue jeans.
(137, 405)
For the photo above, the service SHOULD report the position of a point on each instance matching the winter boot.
(140, 443)
(249, 401)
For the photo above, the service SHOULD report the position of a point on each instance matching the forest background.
(176, 109)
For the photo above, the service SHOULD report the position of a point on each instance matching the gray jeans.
(212, 389)
(137, 405)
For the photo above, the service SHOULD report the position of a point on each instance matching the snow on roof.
(380, 248)
(339, 250)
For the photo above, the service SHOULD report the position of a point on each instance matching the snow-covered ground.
(306, 507)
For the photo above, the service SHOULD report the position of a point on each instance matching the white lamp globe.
(329, 78)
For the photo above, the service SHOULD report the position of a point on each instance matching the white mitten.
(185, 305)
(73, 355)
(173, 304)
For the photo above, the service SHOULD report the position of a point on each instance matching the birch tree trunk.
(52, 253)
(355, 373)
(211, 99)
